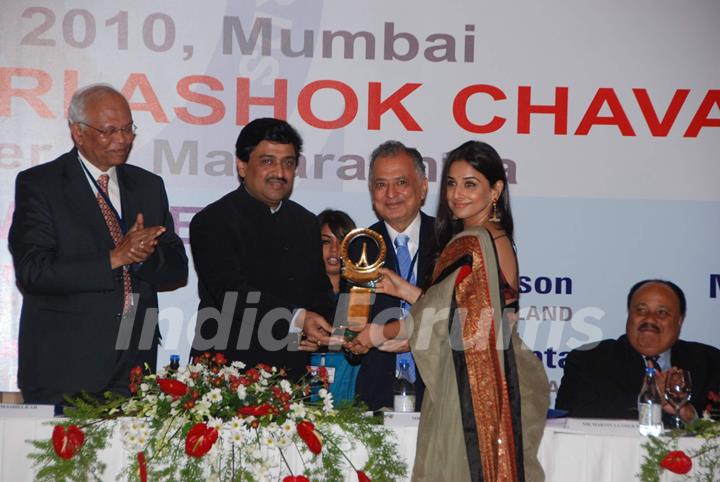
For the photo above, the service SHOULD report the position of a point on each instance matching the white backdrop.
(607, 114)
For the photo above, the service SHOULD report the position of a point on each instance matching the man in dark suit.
(258, 257)
(89, 284)
(398, 187)
(603, 380)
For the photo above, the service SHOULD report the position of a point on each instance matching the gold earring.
(494, 218)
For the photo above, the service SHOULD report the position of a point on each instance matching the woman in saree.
(487, 394)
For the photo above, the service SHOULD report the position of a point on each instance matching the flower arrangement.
(712, 408)
(663, 453)
(214, 420)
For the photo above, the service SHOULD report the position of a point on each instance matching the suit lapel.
(631, 363)
(77, 191)
(390, 258)
(425, 247)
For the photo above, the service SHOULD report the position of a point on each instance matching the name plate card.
(600, 426)
(401, 419)
(16, 410)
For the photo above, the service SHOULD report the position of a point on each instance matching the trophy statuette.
(361, 276)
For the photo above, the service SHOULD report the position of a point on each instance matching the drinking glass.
(678, 390)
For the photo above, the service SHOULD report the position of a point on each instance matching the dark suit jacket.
(604, 381)
(270, 264)
(72, 299)
(376, 377)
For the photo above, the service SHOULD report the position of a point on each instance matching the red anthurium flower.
(67, 442)
(200, 440)
(255, 410)
(362, 477)
(677, 462)
(306, 431)
(142, 466)
(295, 478)
(174, 388)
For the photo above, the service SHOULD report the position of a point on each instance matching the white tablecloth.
(566, 456)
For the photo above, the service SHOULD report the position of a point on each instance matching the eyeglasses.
(130, 130)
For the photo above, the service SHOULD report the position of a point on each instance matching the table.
(565, 453)
(568, 454)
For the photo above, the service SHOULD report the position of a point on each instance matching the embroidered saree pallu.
(486, 393)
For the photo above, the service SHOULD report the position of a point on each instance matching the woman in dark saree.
(486, 397)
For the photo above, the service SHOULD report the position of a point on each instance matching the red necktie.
(116, 233)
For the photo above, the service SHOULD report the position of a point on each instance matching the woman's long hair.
(483, 158)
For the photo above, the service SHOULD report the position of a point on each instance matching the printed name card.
(401, 419)
(16, 410)
(601, 426)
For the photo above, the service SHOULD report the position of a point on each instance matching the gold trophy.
(362, 276)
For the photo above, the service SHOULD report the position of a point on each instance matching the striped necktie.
(652, 362)
(116, 233)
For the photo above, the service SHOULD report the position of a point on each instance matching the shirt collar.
(664, 360)
(412, 231)
(95, 172)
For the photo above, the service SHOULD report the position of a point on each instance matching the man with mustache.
(603, 380)
(92, 241)
(258, 258)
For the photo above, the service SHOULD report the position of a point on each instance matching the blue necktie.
(406, 271)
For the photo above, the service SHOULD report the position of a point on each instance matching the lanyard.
(404, 305)
(105, 197)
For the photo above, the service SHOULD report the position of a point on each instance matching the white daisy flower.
(235, 423)
(284, 441)
(267, 439)
(236, 437)
(213, 396)
(215, 423)
(287, 427)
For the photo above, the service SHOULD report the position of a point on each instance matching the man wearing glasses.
(92, 240)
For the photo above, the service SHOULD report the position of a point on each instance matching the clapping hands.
(137, 245)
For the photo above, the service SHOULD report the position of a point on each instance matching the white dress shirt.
(413, 233)
(113, 186)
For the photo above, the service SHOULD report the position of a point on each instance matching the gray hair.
(76, 111)
(393, 148)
